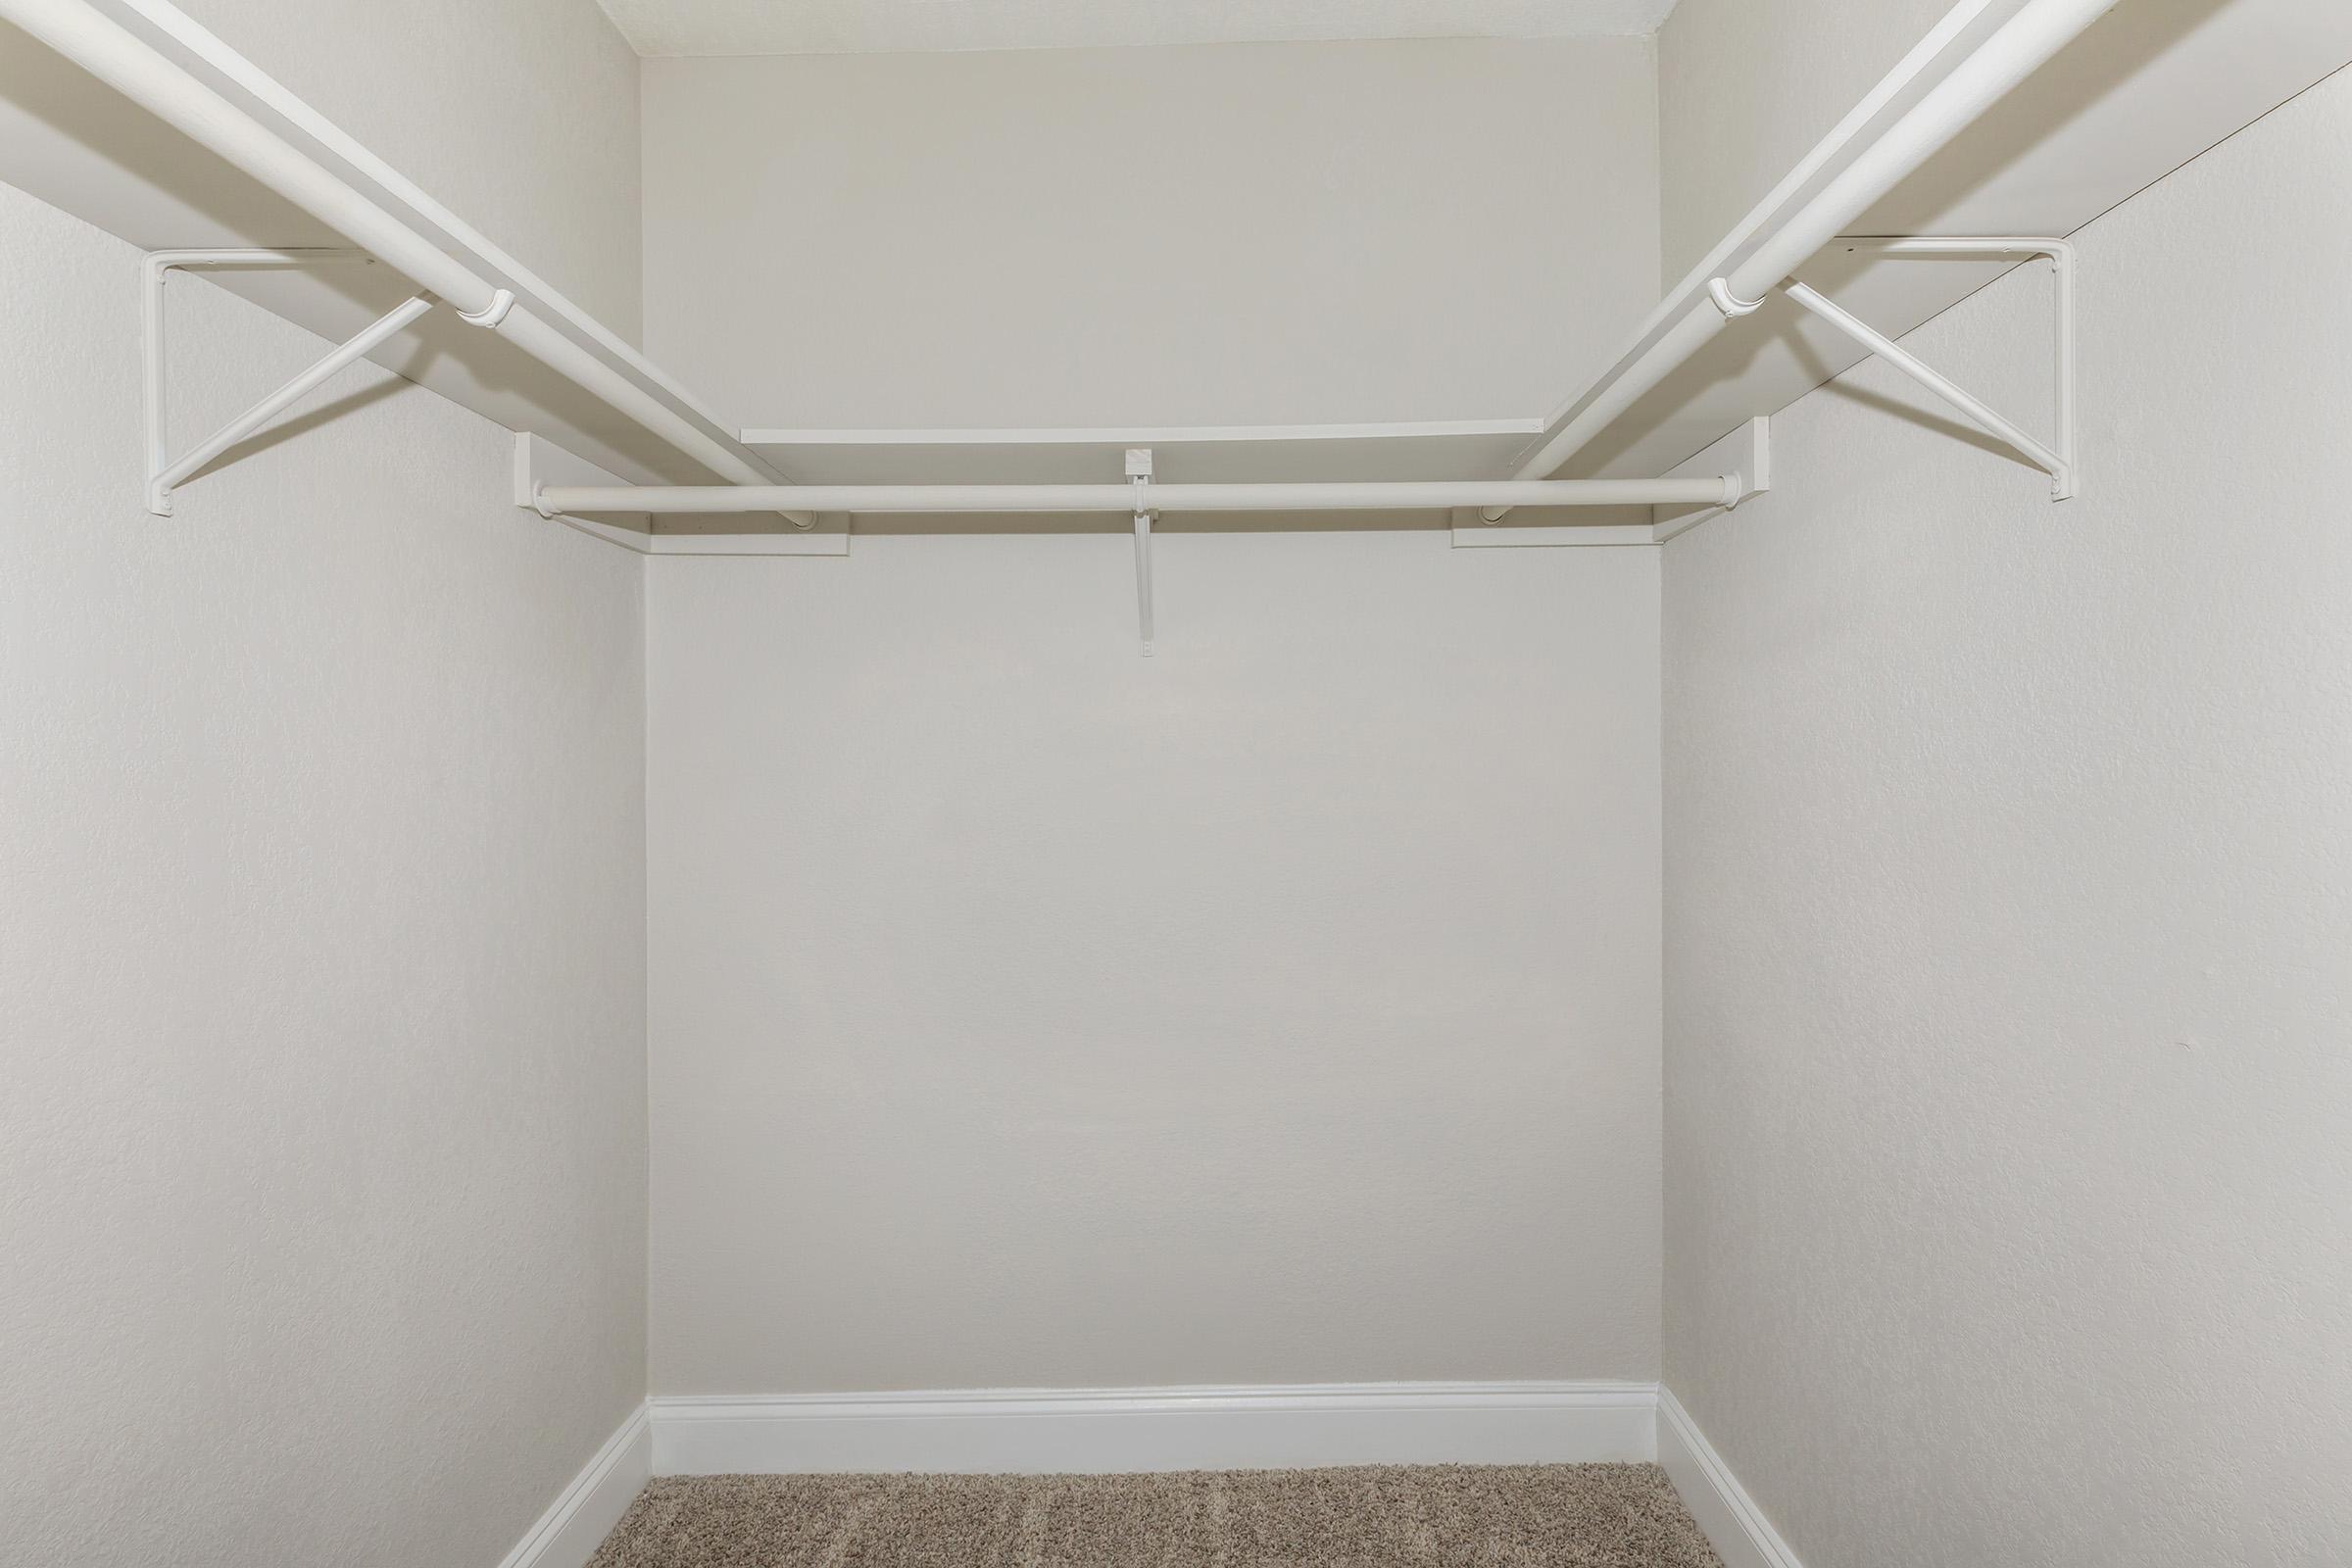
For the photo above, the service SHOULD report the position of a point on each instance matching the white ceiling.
(669, 27)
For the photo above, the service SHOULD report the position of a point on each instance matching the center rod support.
(1143, 578)
(1139, 479)
(1366, 496)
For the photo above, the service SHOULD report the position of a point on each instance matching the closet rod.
(115, 55)
(2021, 46)
(1711, 490)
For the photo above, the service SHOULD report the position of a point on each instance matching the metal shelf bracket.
(2057, 458)
(164, 472)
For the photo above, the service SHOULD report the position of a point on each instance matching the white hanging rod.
(2015, 50)
(107, 50)
(1364, 496)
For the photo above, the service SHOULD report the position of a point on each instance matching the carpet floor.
(1436, 1516)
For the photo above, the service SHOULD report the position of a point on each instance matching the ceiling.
(671, 27)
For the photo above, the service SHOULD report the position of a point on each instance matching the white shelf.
(75, 142)
(2148, 87)
(1182, 455)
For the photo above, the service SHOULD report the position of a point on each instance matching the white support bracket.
(1138, 474)
(1746, 452)
(2057, 459)
(164, 471)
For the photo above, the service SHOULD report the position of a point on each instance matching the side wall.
(2009, 906)
(322, 1141)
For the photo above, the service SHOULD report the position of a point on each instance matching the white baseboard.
(1106, 1431)
(1098, 1431)
(1735, 1526)
(576, 1523)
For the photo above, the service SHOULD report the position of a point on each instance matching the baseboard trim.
(1104, 1431)
(1108, 1431)
(576, 1523)
(1735, 1527)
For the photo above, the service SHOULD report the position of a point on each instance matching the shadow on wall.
(300, 424)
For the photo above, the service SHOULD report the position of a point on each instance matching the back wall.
(1242, 234)
(1279, 1008)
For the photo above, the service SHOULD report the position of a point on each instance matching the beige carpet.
(1502, 1516)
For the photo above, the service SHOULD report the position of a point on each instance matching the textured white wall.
(1301, 233)
(322, 1141)
(1279, 1008)
(1282, 1008)
(1745, 89)
(2009, 918)
(520, 117)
